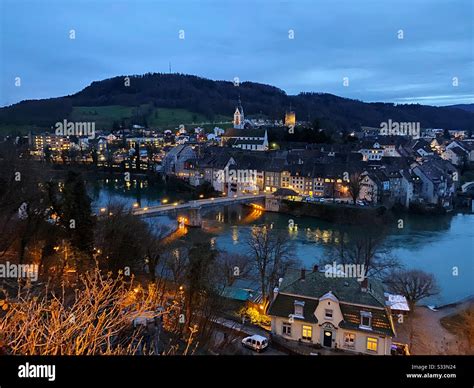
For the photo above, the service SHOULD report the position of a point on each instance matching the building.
(334, 312)
(290, 119)
(371, 151)
(246, 139)
(434, 187)
(456, 155)
(466, 146)
(55, 143)
(174, 163)
(239, 118)
(410, 188)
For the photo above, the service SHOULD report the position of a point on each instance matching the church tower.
(290, 118)
(239, 116)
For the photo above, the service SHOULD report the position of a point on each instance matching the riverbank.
(448, 330)
(336, 213)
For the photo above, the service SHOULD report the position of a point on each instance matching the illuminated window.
(372, 344)
(349, 339)
(307, 333)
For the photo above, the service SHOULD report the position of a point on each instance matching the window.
(372, 344)
(349, 340)
(365, 320)
(328, 314)
(299, 305)
(307, 333)
(286, 329)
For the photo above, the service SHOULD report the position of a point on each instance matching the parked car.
(255, 342)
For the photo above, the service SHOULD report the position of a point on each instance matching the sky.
(401, 51)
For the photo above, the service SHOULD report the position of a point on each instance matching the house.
(434, 187)
(410, 187)
(335, 312)
(175, 159)
(466, 146)
(374, 186)
(371, 150)
(246, 139)
(422, 148)
(378, 147)
(456, 155)
(272, 174)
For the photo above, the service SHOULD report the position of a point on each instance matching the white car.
(255, 342)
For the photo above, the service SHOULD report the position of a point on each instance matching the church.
(242, 136)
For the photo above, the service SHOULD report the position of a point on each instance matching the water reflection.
(434, 244)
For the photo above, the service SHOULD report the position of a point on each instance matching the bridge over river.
(197, 204)
(193, 208)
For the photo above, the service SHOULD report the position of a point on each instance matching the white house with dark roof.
(334, 312)
(246, 139)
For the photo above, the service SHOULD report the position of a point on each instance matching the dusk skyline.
(248, 40)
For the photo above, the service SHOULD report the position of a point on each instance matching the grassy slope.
(104, 116)
(165, 117)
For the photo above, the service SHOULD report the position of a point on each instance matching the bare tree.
(232, 266)
(270, 252)
(412, 284)
(94, 319)
(354, 185)
(365, 249)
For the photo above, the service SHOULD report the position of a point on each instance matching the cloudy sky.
(249, 39)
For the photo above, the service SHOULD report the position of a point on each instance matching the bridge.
(197, 204)
(193, 208)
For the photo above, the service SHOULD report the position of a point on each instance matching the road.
(228, 337)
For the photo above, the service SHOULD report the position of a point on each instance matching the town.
(428, 170)
(357, 177)
(232, 190)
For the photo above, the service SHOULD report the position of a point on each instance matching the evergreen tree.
(75, 214)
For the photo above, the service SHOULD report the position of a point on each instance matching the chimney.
(364, 284)
(303, 274)
(315, 268)
(275, 292)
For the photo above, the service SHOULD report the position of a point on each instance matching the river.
(442, 245)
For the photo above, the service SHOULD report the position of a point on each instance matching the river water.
(442, 245)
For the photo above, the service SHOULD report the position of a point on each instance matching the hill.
(466, 107)
(160, 100)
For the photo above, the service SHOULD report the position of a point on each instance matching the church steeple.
(239, 116)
